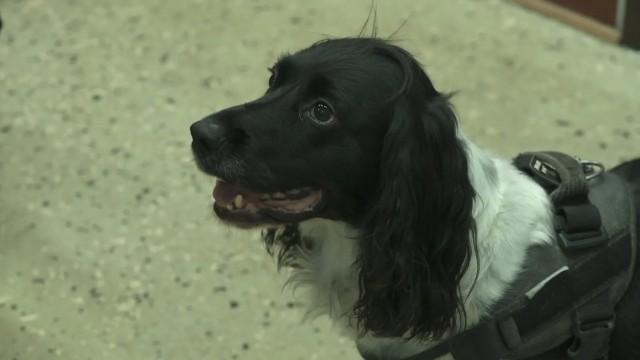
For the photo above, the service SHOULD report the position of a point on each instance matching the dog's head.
(353, 130)
(311, 145)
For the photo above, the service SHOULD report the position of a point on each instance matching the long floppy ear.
(417, 238)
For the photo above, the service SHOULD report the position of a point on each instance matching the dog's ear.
(417, 238)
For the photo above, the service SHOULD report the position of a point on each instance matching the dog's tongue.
(224, 192)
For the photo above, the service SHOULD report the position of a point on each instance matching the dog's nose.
(207, 136)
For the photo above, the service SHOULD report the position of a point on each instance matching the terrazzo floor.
(108, 249)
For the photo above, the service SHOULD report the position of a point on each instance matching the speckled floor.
(107, 246)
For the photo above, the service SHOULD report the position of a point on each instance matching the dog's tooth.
(279, 196)
(238, 201)
(229, 206)
(265, 196)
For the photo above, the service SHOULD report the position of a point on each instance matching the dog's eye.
(321, 113)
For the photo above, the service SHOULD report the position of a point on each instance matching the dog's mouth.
(246, 207)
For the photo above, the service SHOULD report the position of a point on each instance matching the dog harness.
(564, 307)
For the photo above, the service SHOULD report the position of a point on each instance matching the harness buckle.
(592, 328)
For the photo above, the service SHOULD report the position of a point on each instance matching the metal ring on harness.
(591, 169)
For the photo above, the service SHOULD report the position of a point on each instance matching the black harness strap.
(577, 220)
(498, 338)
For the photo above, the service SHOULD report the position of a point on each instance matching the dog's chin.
(244, 208)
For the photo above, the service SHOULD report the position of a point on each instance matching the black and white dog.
(404, 229)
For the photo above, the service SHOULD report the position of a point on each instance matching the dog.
(405, 231)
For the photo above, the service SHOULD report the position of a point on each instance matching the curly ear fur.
(418, 236)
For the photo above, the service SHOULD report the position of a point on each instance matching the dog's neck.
(511, 213)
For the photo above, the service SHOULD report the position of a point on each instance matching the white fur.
(511, 212)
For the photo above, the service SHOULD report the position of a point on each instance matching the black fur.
(410, 267)
(391, 165)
